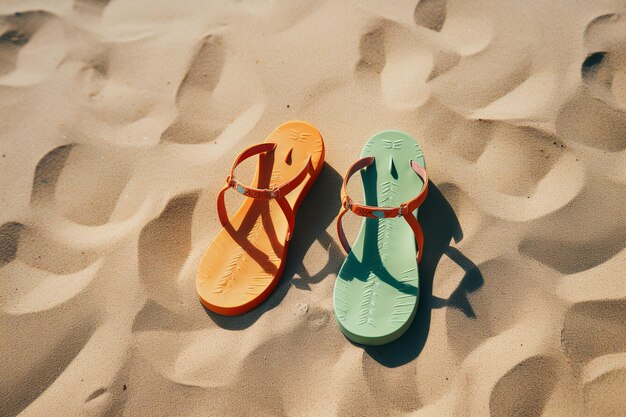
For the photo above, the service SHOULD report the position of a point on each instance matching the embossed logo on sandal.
(393, 144)
(299, 136)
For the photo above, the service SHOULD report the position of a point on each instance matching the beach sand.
(121, 119)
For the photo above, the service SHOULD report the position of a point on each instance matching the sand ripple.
(120, 121)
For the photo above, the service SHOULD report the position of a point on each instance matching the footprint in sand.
(90, 202)
(581, 238)
(104, 172)
(164, 244)
(372, 51)
(55, 272)
(525, 389)
(592, 329)
(603, 380)
(47, 174)
(94, 75)
(431, 14)
(53, 341)
(604, 69)
(9, 239)
(486, 305)
(31, 47)
(515, 159)
(403, 61)
(596, 114)
(202, 117)
(592, 122)
(196, 122)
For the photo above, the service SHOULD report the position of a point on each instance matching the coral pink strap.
(278, 193)
(405, 210)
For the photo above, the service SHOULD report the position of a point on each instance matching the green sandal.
(377, 289)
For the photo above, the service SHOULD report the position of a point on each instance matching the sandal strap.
(404, 210)
(277, 193)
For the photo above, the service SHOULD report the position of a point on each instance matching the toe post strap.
(404, 210)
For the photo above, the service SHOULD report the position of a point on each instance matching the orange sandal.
(244, 263)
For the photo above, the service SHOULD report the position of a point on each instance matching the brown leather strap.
(405, 210)
(278, 193)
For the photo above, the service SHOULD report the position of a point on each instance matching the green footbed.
(377, 289)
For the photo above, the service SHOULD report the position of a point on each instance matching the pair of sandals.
(377, 288)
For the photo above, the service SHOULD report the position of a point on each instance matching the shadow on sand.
(317, 212)
(440, 226)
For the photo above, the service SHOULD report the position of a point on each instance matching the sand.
(119, 123)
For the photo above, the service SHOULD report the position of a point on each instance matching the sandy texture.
(119, 122)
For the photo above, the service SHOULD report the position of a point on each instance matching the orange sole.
(245, 261)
